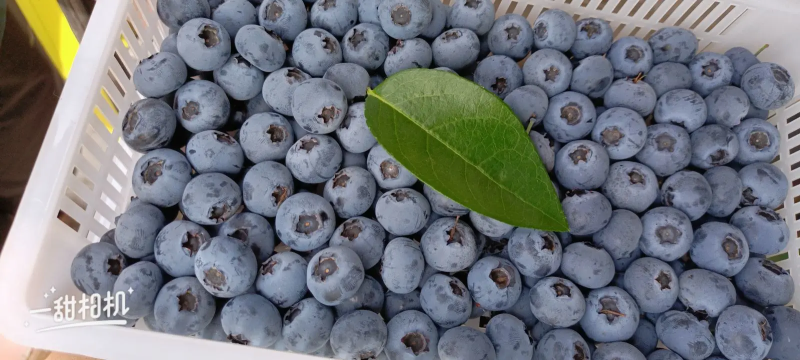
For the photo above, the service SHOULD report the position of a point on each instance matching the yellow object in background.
(51, 28)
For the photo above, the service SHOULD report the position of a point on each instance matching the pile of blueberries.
(253, 126)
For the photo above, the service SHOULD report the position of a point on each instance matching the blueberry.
(175, 13)
(441, 204)
(652, 283)
(394, 304)
(611, 315)
(388, 173)
(512, 36)
(250, 319)
(673, 44)
(570, 116)
(726, 190)
(765, 283)
(159, 74)
(582, 164)
(621, 131)
(335, 16)
(362, 235)
(727, 106)
(350, 191)
(213, 331)
(448, 245)
(266, 136)
(456, 48)
(645, 338)
(334, 275)
(201, 105)
(769, 86)
(412, 335)
(405, 19)
(234, 14)
(630, 56)
(742, 60)
(226, 266)
(594, 37)
(681, 107)
(713, 145)
(682, 333)
(97, 267)
(402, 265)
(465, 343)
(483, 53)
(687, 191)
(279, 86)
(554, 29)
(759, 141)
(499, 74)
(668, 76)
(366, 45)
(522, 309)
(508, 336)
(620, 238)
(214, 151)
(548, 69)
(358, 335)
(287, 18)
(352, 159)
(446, 300)
(137, 229)
(305, 221)
(204, 44)
(408, 54)
(315, 50)
(542, 144)
(666, 150)
(352, 78)
(439, 14)
(319, 106)
(561, 344)
(160, 176)
(743, 333)
(587, 265)
(183, 307)
(368, 297)
(368, 12)
(667, 233)
(710, 71)
(529, 103)
(307, 326)
(632, 94)
(265, 186)
(587, 211)
(664, 354)
(622, 264)
(488, 226)
(765, 230)
(592, 77)
(617, 350)
(764, 185)
(176, 246)
(427, 273)
(170, 44)
(210, 199)
(557, 302)
(314, 159)
(282, 279)
(252, 229)
(630, 185)
(785, 324)
(706, 292)
(494, 283)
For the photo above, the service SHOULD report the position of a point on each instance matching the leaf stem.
(762, 49)
(611, 312)
(453, 230)
(530, 127)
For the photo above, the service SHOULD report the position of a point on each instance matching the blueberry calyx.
(327, 114)
(191, 242)
(501, 277)
(571, 113)
(665, 142)
(551, 75)
(239, 60)
(668, 234)
(580, 352)
(308, 144)
(389, 170)
(759, 140)
(611, 136)
(307, 224)
(238, 339)
(325, 268)
(452, 35)
(454, 235)
(634, 53)
(773, 267)
(456, 289)
(472, 4)
(664, 280)
(400, 195)
(512, 32)
(340, 180)
(766, 330)
(215, 278)
(401, 15)
(115, 265)
(241, 234)
(217, 212)
(153, 171)
(273, 11)
(499, 85)
(608, 307)
(636, 177)
(277, 134)
(540, 31)
(223, 138)
(562, 290)
(416, 342)
(293, 313)
(747, 196)
(591, 29)
(731, 246)
(280, 194)
(327, 4)
(717, 157)
(548, 243)
(710, 68)
(293, 74)
(351, 229)
(357, 38)
(189, 111)
(268, 266)
(209, 34)
(187, 301)
(581, 153)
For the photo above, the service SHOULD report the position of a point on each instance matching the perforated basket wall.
(81, 181)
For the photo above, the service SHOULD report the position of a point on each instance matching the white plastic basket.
(81, 181)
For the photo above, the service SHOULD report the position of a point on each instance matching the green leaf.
(466, 143)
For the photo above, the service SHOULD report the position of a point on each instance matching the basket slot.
(139, 19)
(631, 8)
(700, 13)
(501, 7)
(123, 67)
(654, 7)
(138, 50)
(682, 10)
(714, 20)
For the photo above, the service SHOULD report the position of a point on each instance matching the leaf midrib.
(371, 92)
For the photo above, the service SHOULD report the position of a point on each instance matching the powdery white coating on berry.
(204, 44)
(548, 69)
(706, 292)
(201, 105)
(557, 302)
(667, 233)
(160, 177)
(362, 235)
(668, 76)
(611, 315)
(305, 221)
(159, 74)
(334, 275)
(402, 265)
(681, 107)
